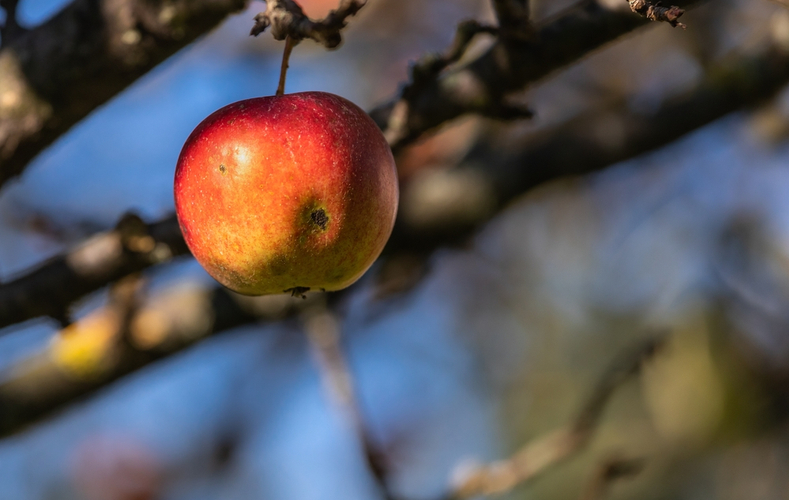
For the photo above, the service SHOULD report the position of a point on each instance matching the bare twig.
(608, 472)
(540, 455)
(324, 334)
(509, 65)
(287, 20)
(656, 12)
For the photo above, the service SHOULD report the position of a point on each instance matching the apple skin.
(286, 193)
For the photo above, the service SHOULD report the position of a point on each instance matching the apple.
(286, 193)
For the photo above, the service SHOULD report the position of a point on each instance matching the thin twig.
(289, 45)
(323, 332)
(549, 450)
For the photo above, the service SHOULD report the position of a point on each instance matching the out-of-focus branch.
(287, 19)
(53, 287)
(567, 150)
(52, 76)
(656, 12)
(427, 69)
(547, 451)
(512, 15)
(583, 145)
(121, 337)
(510, 65)
(323, 332)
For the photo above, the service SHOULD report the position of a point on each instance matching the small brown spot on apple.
(319, 218)
(222, 169)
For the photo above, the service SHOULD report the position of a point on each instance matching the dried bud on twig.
(287, 19)
(655, 12)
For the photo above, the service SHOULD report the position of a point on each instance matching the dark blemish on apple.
(319, 218)
(222, 168)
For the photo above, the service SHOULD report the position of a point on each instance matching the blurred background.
(463, 347)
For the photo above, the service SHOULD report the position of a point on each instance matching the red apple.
(286, 193)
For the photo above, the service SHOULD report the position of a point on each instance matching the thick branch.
(50, 289)
(510, 65)
(568, 150)
(577, 148)
(116, 340)
(51, 77)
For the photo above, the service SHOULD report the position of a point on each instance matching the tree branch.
(572, 149)
(53, 76)
(120, 338)
(53, 287)
(59, 72)
(323, 331)
(567, 150)
(547, 451)
(510, 65)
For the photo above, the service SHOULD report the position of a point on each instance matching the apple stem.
(289, 45)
